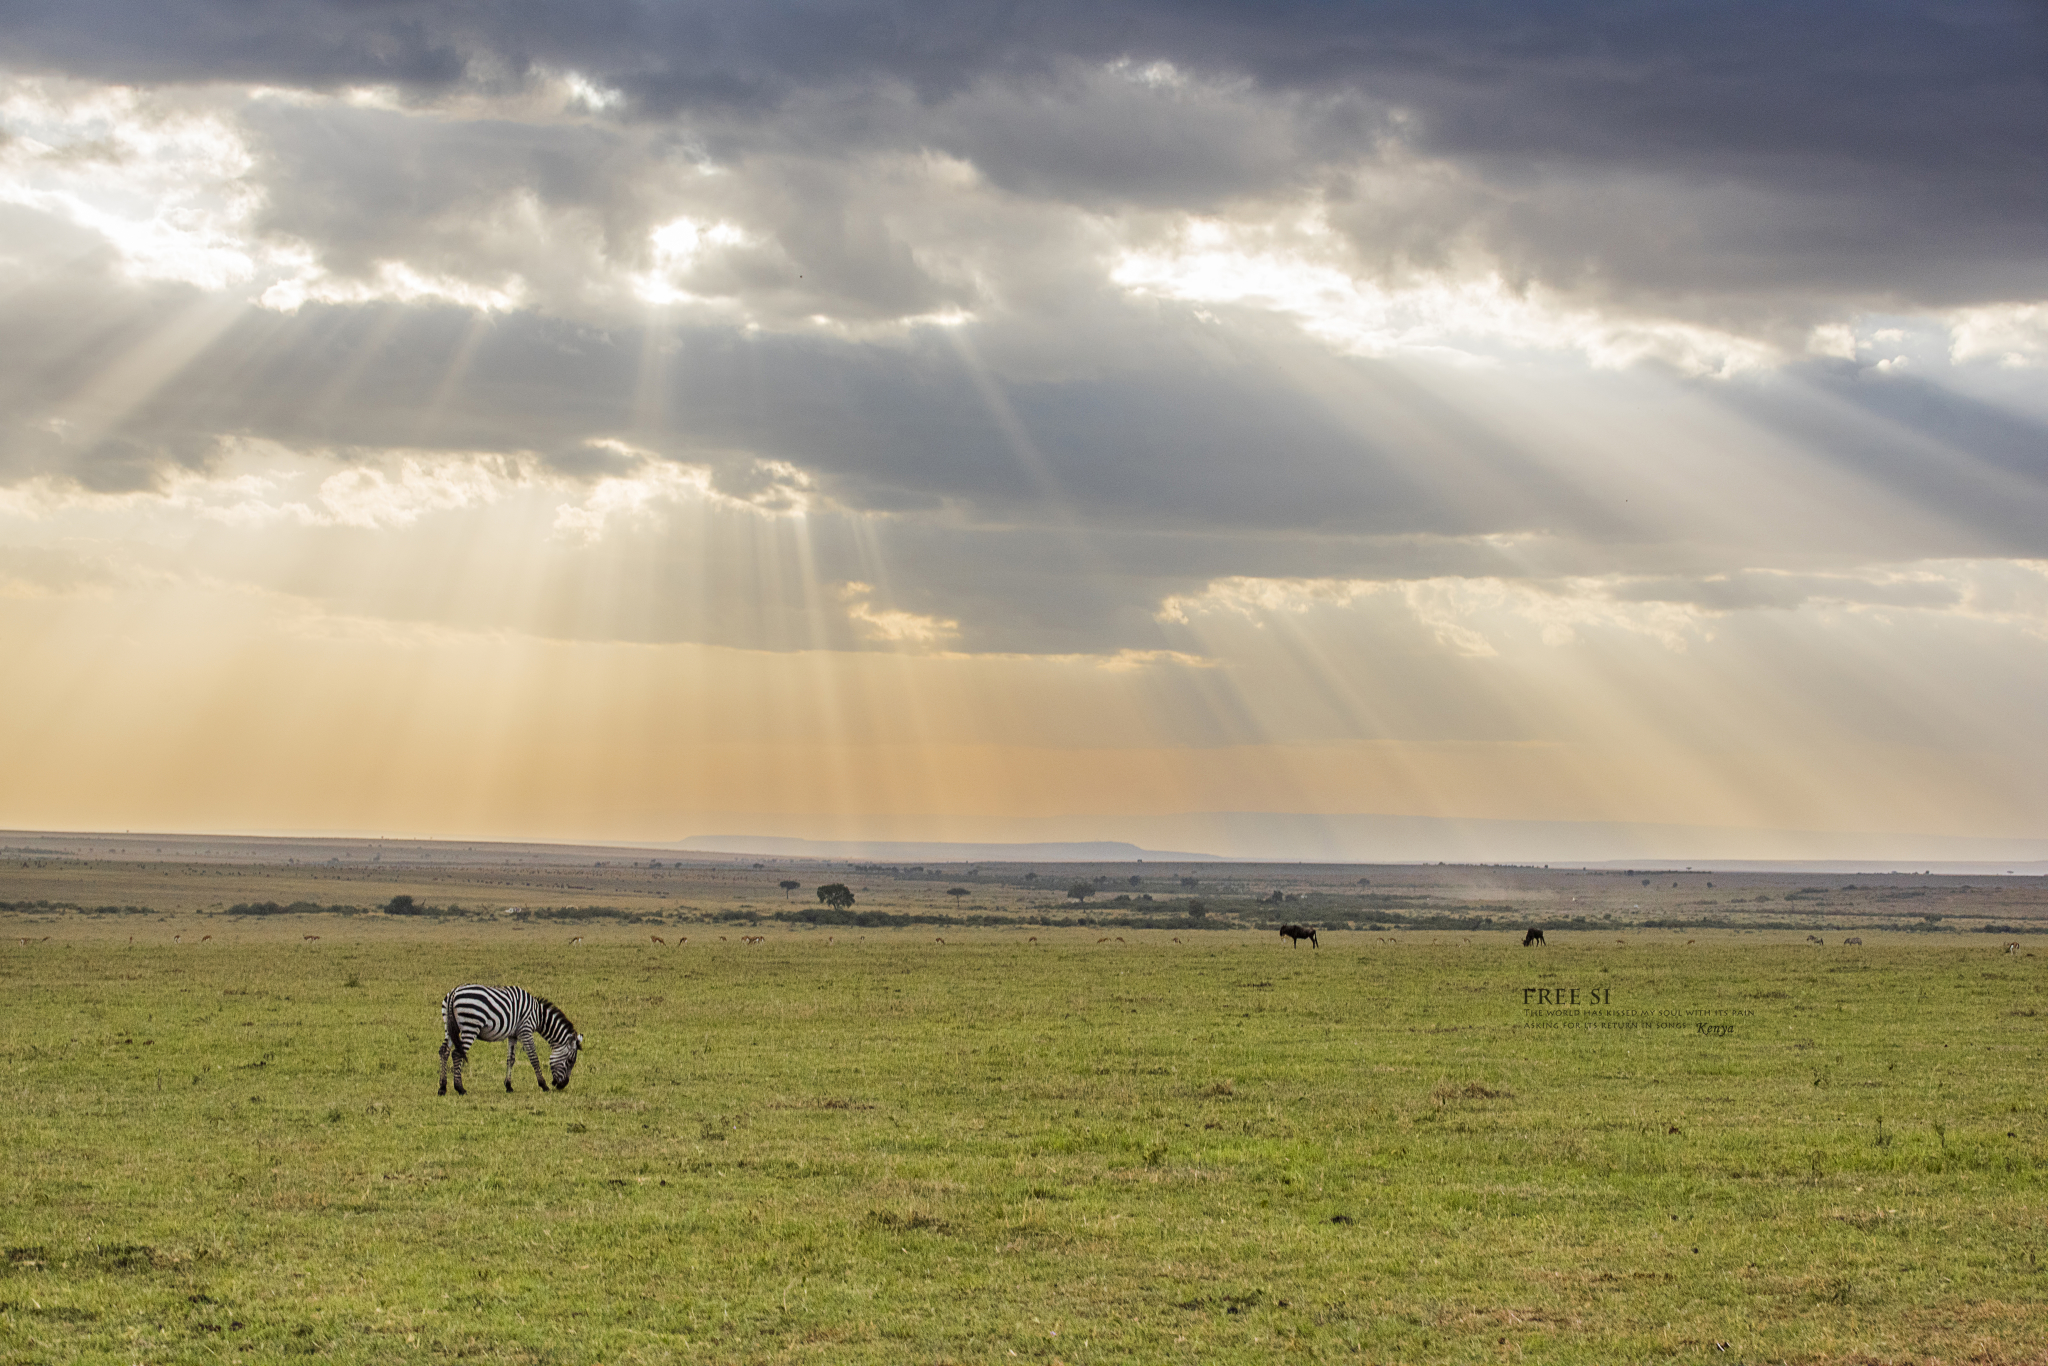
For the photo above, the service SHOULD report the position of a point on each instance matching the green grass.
(883, 1149)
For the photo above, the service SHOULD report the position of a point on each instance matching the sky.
(1286, 430)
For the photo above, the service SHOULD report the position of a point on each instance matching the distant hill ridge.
(935, 851)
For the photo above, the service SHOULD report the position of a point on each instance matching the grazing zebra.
(472, 1012)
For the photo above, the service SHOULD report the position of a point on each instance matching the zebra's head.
(562, 1060)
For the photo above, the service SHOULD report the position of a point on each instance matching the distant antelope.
(1816, 939)
(204, 937)
(1690, 942)
(1103, 940)
(937, 940)
(2012, 947)
(177, 939)
(1176, 939)
(310, 938)
(657, 939)
(1853, 940)
(577, 940)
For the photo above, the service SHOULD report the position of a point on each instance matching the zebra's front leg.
(532, 1056)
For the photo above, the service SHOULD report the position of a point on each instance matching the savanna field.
(1059, 1144)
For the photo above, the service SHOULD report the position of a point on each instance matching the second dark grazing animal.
(472, 1012)
(1534, 936)
(1297, 933)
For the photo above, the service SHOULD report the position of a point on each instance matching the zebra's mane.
(552, 1024)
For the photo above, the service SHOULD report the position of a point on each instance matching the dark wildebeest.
(1297, 933)
(1534, 936)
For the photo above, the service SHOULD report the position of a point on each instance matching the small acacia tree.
(956, 893)
(1081, 891)
(789, 885)
(837, 895)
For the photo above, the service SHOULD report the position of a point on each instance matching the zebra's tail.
(448, 1023)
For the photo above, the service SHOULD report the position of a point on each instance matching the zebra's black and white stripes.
(470, 1013)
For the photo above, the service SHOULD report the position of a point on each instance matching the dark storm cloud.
(1908, 135)
(1875, 81)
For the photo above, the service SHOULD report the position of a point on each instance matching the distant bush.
(296, 908)
(578, 914)
(845, 915)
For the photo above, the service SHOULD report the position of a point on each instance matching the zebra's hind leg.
(444, 1067)
(461, 1057)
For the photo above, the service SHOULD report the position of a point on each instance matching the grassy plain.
(1055, 1145)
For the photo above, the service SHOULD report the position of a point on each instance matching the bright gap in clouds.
(1296, 267)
